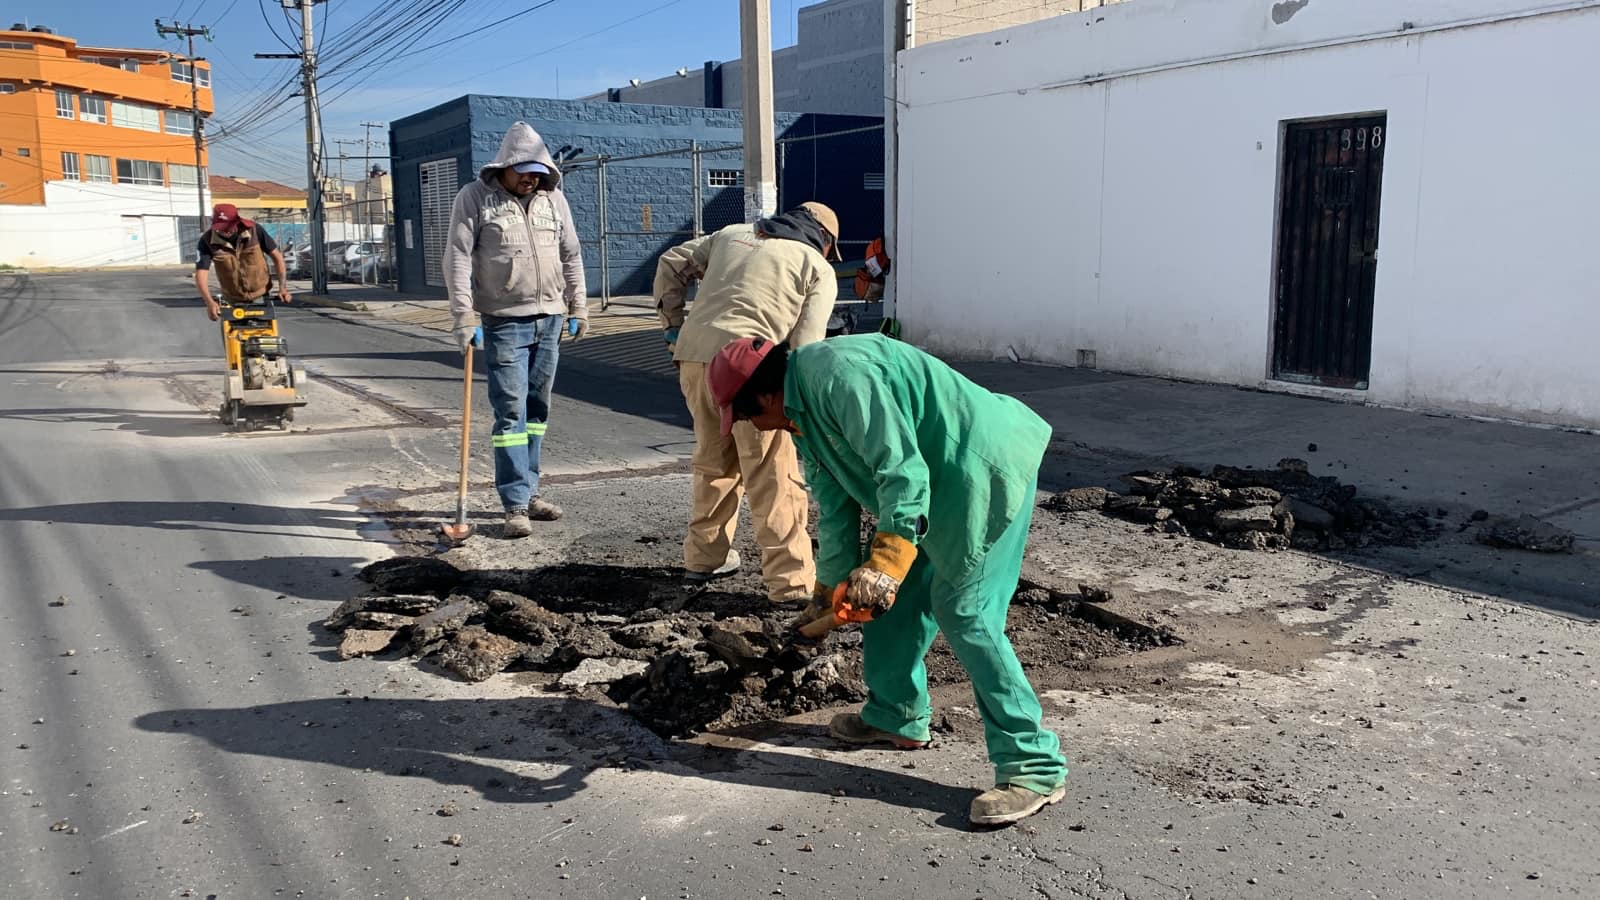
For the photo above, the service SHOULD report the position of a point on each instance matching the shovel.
(460, 531)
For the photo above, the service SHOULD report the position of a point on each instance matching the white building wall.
(83, 224)
(1108, 181)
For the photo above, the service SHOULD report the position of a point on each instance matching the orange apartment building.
(97, 163)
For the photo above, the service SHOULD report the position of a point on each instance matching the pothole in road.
(681, 659)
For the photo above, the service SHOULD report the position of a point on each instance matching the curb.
(328, 302)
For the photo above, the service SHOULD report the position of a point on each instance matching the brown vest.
(241, 267)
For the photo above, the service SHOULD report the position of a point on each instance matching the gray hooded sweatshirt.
(507, 260)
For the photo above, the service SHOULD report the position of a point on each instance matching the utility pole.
(345, 196)
(308, 87)
(760, 147)
(190, 32)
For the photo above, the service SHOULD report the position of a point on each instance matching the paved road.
(188, 564)
(167, 700)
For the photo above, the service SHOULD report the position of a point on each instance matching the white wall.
(1108, 181)
(85, 224)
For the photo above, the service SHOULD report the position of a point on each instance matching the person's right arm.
(202, 280)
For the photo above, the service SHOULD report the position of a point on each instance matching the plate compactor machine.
(261, 387)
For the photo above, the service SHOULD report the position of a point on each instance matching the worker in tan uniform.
(768, 280)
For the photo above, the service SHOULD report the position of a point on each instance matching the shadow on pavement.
(201, 515)
(460, 742)
(175, 423)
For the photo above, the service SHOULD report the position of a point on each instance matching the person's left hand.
(284, 295)
(577, 328)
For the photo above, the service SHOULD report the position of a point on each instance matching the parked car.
(336, 256)
(364, 262)
(298, 261)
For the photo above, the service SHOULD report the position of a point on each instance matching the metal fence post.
(699, 200)
(783, 161)
(605, 261)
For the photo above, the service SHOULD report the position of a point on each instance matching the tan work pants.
(762, 463)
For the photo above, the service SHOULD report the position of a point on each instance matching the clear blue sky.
(594, 44)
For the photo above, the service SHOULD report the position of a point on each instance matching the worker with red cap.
(238, 248)
(950, 471)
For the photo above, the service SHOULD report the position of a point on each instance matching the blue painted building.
(649, 201)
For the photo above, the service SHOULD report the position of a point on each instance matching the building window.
(24, 151)
(7, 88)
(872, 181)
(724, 178)
(180, 71)
(126, 65)
(135, 115)
(139, 171)
(69, 166)
(203, 76)
(92, 109)
(99, 168)
(15, 45)
(179, 122)
(182, 175)
(63, 104)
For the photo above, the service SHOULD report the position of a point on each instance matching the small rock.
(775, 827)
(69, 653)
(477, 655)
(601, 671)
(62, 825)
(764, 842)
(454, 840)
(443, 622)
(1092, 594)
(1535, 876)
(1082, 499)
(1310, 448)
(449, 809)
(372, 620)
(1255, 518)
(364, 642)
(1479, 515)
(193, 817)
(59, 601)
(807, 848)
(1319, 605)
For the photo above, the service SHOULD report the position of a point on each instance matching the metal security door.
(439, 188)
(1328, 251)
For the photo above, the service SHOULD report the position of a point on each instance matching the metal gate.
(1328, 250)
(439, 188)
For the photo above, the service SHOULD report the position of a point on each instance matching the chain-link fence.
(628, 210)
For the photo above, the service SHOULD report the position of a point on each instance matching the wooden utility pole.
(760, 139)
(190, 32)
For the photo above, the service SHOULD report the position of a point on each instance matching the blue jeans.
(521, 354)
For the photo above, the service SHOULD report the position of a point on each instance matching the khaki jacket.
(750, 286)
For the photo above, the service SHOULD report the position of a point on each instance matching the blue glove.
(671, 337)
(572, 327)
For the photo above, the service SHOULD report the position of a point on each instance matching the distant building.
(836, 64)
(97, 161)
(646, 201)
(264, 201)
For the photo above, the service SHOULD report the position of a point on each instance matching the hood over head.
(522, 145)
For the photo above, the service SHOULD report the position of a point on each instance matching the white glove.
(466, 336)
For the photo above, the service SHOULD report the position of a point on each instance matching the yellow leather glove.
(873, 586)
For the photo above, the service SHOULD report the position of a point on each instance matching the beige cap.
(826, 218)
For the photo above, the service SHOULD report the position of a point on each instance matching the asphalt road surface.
(175, 723)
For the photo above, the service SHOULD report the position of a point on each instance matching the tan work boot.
(1008, 803)
(852, 729)
(541, 510)
(517, 524)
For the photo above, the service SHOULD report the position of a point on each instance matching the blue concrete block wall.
(649, 202)
(438, 133)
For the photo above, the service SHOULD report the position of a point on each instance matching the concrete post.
(760, 149)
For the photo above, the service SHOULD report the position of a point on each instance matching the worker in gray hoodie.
(513, 258)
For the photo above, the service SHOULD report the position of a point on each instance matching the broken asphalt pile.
(680, 659)
(1256, 509)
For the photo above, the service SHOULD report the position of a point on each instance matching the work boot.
(517, 524)
(852, 729)
(542, 510)
(1009, 803)
(728, 567)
